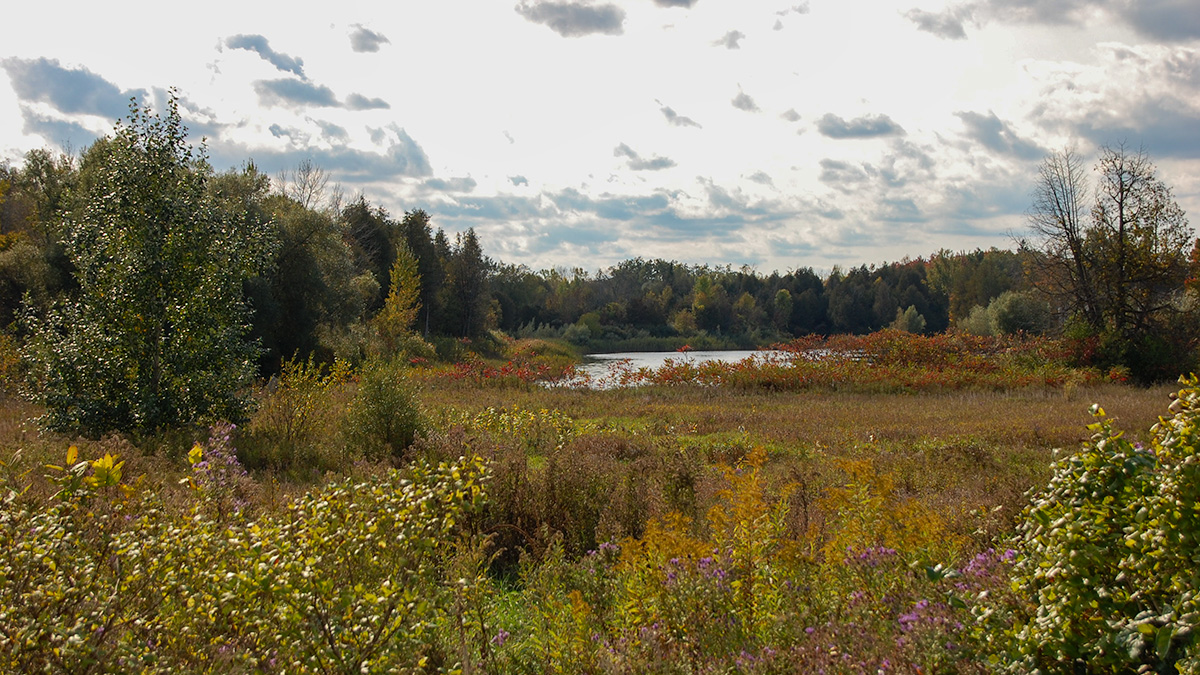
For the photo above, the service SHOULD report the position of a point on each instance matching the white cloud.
(878, 139)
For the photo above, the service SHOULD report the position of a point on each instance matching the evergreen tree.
(466, 292)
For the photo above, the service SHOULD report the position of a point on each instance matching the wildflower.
(500, 638)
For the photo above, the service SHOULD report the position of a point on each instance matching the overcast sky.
(776, 134)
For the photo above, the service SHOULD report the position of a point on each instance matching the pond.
(604, 370)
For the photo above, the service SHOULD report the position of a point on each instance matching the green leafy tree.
(909, 320)
(416, 230)
(155, 335)
(367, 232)
(782, 314)
(1020, 312)
(311, 288)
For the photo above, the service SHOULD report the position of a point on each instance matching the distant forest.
(330, 260)
(330, 274)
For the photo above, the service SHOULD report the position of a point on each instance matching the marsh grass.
(617, 522)
(1045, 418)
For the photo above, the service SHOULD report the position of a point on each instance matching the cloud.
(574, 19)
(790, 115)
(333, 131)
(801, 8)
(1172, 20)
(730, 40)
(761, 178)
(69, 91)
(488, 210)
(624, 208)
(1165, 20)
(994, 134)
(360, 102)
(743, 102)
(407, 155)
(675, 3)
(294, 93)
(260, 45)
(366, 40)
(947, 24)
(778, 25)
(518, 180)
(461, 184)
(64, 133)
(868, 126)
(1003, 194)
(402, 157)
(898, 210)
(1163, 127)
(841, 174)
(1146, 95)
(736, 208)
(1054, 12)
(677, 120)
(637, 163)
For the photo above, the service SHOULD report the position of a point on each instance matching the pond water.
(603, 369)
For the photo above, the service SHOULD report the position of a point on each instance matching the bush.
(1107, 561)
(295, 423)
(1020, 312)
(384, 417)
(347, 578)
(1009, 313)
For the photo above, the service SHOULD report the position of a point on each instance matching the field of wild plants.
(890, 503)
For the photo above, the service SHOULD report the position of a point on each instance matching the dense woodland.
(329, 272)
(328, 275)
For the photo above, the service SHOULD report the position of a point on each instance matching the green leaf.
(1162, 644)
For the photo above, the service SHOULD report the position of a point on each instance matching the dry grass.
(1041, 418)
(969, 456)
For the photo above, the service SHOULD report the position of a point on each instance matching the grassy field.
(661, 528)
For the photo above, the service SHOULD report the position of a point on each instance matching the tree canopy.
(154, 333)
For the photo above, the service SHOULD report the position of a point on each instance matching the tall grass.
(664, 528)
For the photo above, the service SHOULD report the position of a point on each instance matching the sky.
(580, 133)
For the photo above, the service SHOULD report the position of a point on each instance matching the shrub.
(296, 417)
(348, 578)
(384, 417)
(1107, 565)
(1020, 312)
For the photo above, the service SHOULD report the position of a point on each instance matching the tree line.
(134, 273)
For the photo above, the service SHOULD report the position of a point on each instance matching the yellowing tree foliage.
(403, 302)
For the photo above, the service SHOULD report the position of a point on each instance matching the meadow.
(898, 508)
